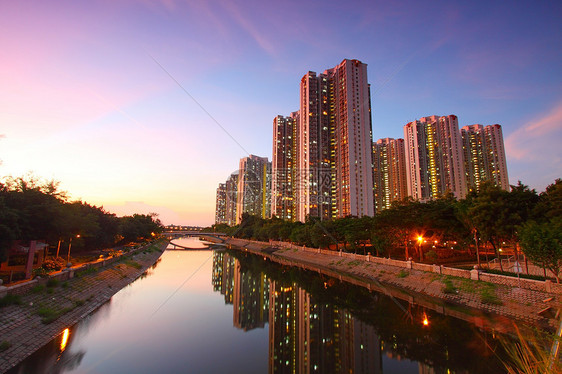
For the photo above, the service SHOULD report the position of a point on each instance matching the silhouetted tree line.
(491, 218)
(35, 210)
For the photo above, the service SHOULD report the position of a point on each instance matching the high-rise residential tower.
(484, 156)
(350, 119)
(313, 141)
(220, 206)
(389, 172)
(334, 144)
(283, 167)
(231, 198)
(434, 158)
(254, 187)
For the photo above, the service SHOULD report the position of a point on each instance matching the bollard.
(475, 273)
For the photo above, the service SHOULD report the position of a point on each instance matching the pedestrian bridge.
(177, 235)
(180, 234)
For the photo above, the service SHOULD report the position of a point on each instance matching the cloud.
(537, 139)
(248, 26)
(533, 151)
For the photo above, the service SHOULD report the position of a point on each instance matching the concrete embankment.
(45, 307)
(480, 302)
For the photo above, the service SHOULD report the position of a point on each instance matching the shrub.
(10, 300)
(5, 345)
(54, 264)
(431, 255)
(40, 272)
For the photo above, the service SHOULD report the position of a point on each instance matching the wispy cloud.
(249, 27)
(537, 139)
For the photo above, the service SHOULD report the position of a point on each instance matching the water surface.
(216, 311)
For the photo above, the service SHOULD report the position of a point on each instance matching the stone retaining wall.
(530, 284)
(24, 287)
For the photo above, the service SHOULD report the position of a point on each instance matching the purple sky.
(84, 99)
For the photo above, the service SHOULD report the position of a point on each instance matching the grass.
(37, 289)
(52, 282)
(402, 274)
(133, 264)
(10, 300)
(4, 345)
(488, 296)
(449, 287)
(49, 314)
(529, 355)
(81, 273)
(354, 263)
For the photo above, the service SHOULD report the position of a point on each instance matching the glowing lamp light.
(425, 320)
(420, 238)
(64, 340)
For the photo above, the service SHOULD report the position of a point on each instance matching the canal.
(218, 311)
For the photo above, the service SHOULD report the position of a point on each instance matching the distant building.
(434, 158)
(220, 206)
(484, 156)
(254, 187)
(334, 144)
(283, 167)
(231, 199)
(389, 167)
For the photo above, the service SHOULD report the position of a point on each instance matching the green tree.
(542, 244)
(489, 212)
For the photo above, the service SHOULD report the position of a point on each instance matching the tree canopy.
(31, 209)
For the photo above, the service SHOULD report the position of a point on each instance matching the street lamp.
(475, 231)
(70, 245)
(420, 240)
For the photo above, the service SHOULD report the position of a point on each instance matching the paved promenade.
(537, 308)
(25, 328)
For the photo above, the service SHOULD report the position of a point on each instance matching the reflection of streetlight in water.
(64, 340)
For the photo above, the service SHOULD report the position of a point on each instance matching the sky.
(146, 106)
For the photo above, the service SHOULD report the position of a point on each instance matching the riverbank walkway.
(532, 307)
(46, 310)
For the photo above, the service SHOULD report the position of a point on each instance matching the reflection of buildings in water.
(306, 337)
(216, 274)
(223, 275)
(249, 293)
(251, 299)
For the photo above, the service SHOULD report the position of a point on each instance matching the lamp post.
(70, 245)
(420, 240)
(476, 243)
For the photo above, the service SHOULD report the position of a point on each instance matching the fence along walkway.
(474, 274)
